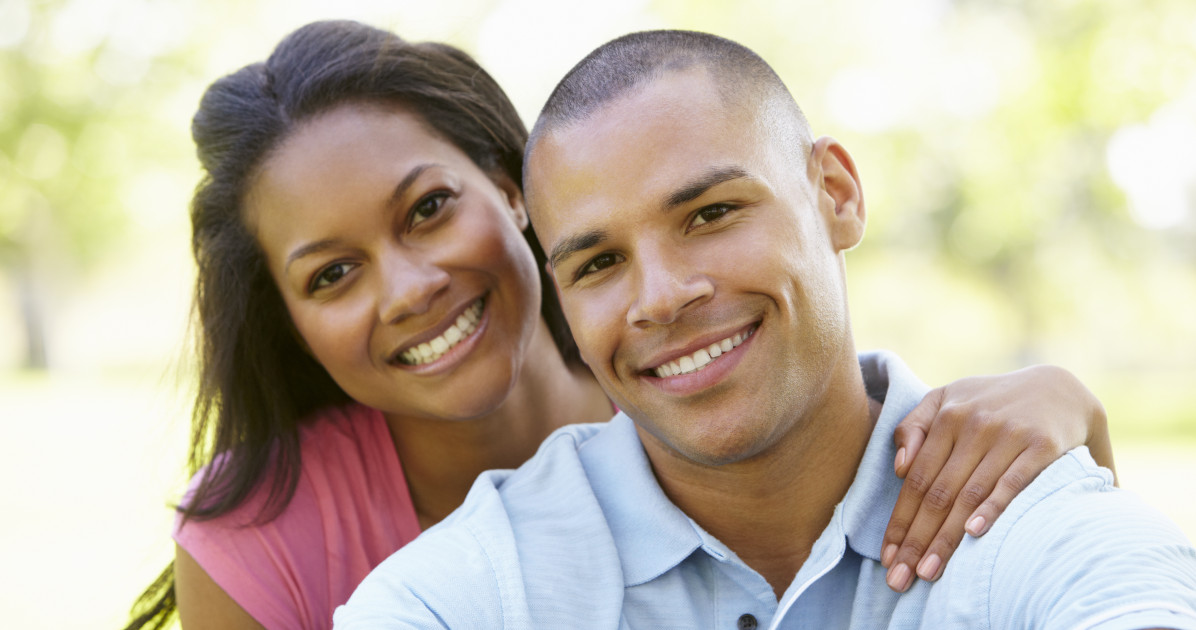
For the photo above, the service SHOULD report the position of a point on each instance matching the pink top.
(351, 510)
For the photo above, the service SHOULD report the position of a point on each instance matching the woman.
(374, 335)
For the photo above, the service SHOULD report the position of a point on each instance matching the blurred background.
(1029, 170)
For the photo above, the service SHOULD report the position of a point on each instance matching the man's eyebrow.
(688, 192)
(699, 186)
(574, 244)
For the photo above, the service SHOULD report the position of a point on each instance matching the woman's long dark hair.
(256, 382)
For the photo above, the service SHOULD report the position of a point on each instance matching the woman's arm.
(202, 603)
(969, 447)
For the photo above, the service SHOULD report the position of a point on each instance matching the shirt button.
(747, 622)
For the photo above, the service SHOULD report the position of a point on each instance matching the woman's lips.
(433, 349)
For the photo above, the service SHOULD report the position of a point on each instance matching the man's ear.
(840, 196)
(514, 198)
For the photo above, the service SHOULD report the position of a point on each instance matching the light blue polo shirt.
(583, 537)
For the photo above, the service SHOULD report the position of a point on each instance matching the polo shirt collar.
(873, 493)
(651, 534)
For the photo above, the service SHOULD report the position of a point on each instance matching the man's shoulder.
(554, 476)
(1075, 476)
(448, 576)
(1073, 550)
(535, 534)
(1077, 498)
(559, 449)
(543, 497)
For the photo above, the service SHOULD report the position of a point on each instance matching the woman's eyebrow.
(407, 181)
(308, 249)
(395, 196)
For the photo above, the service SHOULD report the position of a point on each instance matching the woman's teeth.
(701, 358)
(433, 349)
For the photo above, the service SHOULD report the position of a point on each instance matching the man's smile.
(699, 359)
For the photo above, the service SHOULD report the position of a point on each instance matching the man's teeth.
(701, 358)
(433, 349)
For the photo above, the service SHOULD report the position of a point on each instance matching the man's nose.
(668, 284)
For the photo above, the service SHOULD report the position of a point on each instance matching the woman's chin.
(463, 405)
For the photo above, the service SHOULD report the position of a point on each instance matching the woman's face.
(401, 262)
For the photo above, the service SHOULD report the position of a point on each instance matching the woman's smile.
(432, 350)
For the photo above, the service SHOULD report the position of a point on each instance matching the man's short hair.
(634, 60)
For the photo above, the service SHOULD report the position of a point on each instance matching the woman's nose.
(408, 285)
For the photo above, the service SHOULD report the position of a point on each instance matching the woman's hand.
(969, 447)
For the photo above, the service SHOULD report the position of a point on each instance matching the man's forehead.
(669, 89)
(605, 152)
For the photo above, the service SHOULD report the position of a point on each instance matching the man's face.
(698, 262)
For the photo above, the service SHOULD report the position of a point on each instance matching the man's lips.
(692, 361)
(458, 330)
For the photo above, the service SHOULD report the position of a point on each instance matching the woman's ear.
(514, 197)
(840, 195)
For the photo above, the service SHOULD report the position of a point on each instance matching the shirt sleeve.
(1089, 555)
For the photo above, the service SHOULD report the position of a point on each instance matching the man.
(696, 234)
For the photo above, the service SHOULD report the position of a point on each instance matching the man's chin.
(707, 444)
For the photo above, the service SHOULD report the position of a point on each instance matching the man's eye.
(598, 263)
(329, 275)
(427, 207)
(710, 214)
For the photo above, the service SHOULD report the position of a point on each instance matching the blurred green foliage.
(81, 124)
(1029, 169)
(983, 132)
(1029, 183)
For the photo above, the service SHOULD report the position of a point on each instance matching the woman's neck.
(441, 458)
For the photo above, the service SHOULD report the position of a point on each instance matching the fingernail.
(928, 568)
(977, 526)
(899, 578)
(886, 557)
(900, 459)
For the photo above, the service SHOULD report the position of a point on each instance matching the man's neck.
(771, 508)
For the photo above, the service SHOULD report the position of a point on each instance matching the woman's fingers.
(944, 540)
(936, 530)
(967, 449)
(1016, 477)
(920, 475)
(970, 492)
(913, 429)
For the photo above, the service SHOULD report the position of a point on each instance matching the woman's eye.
(710, 214)
(598, 263)
(427, 207)
(329, 275)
